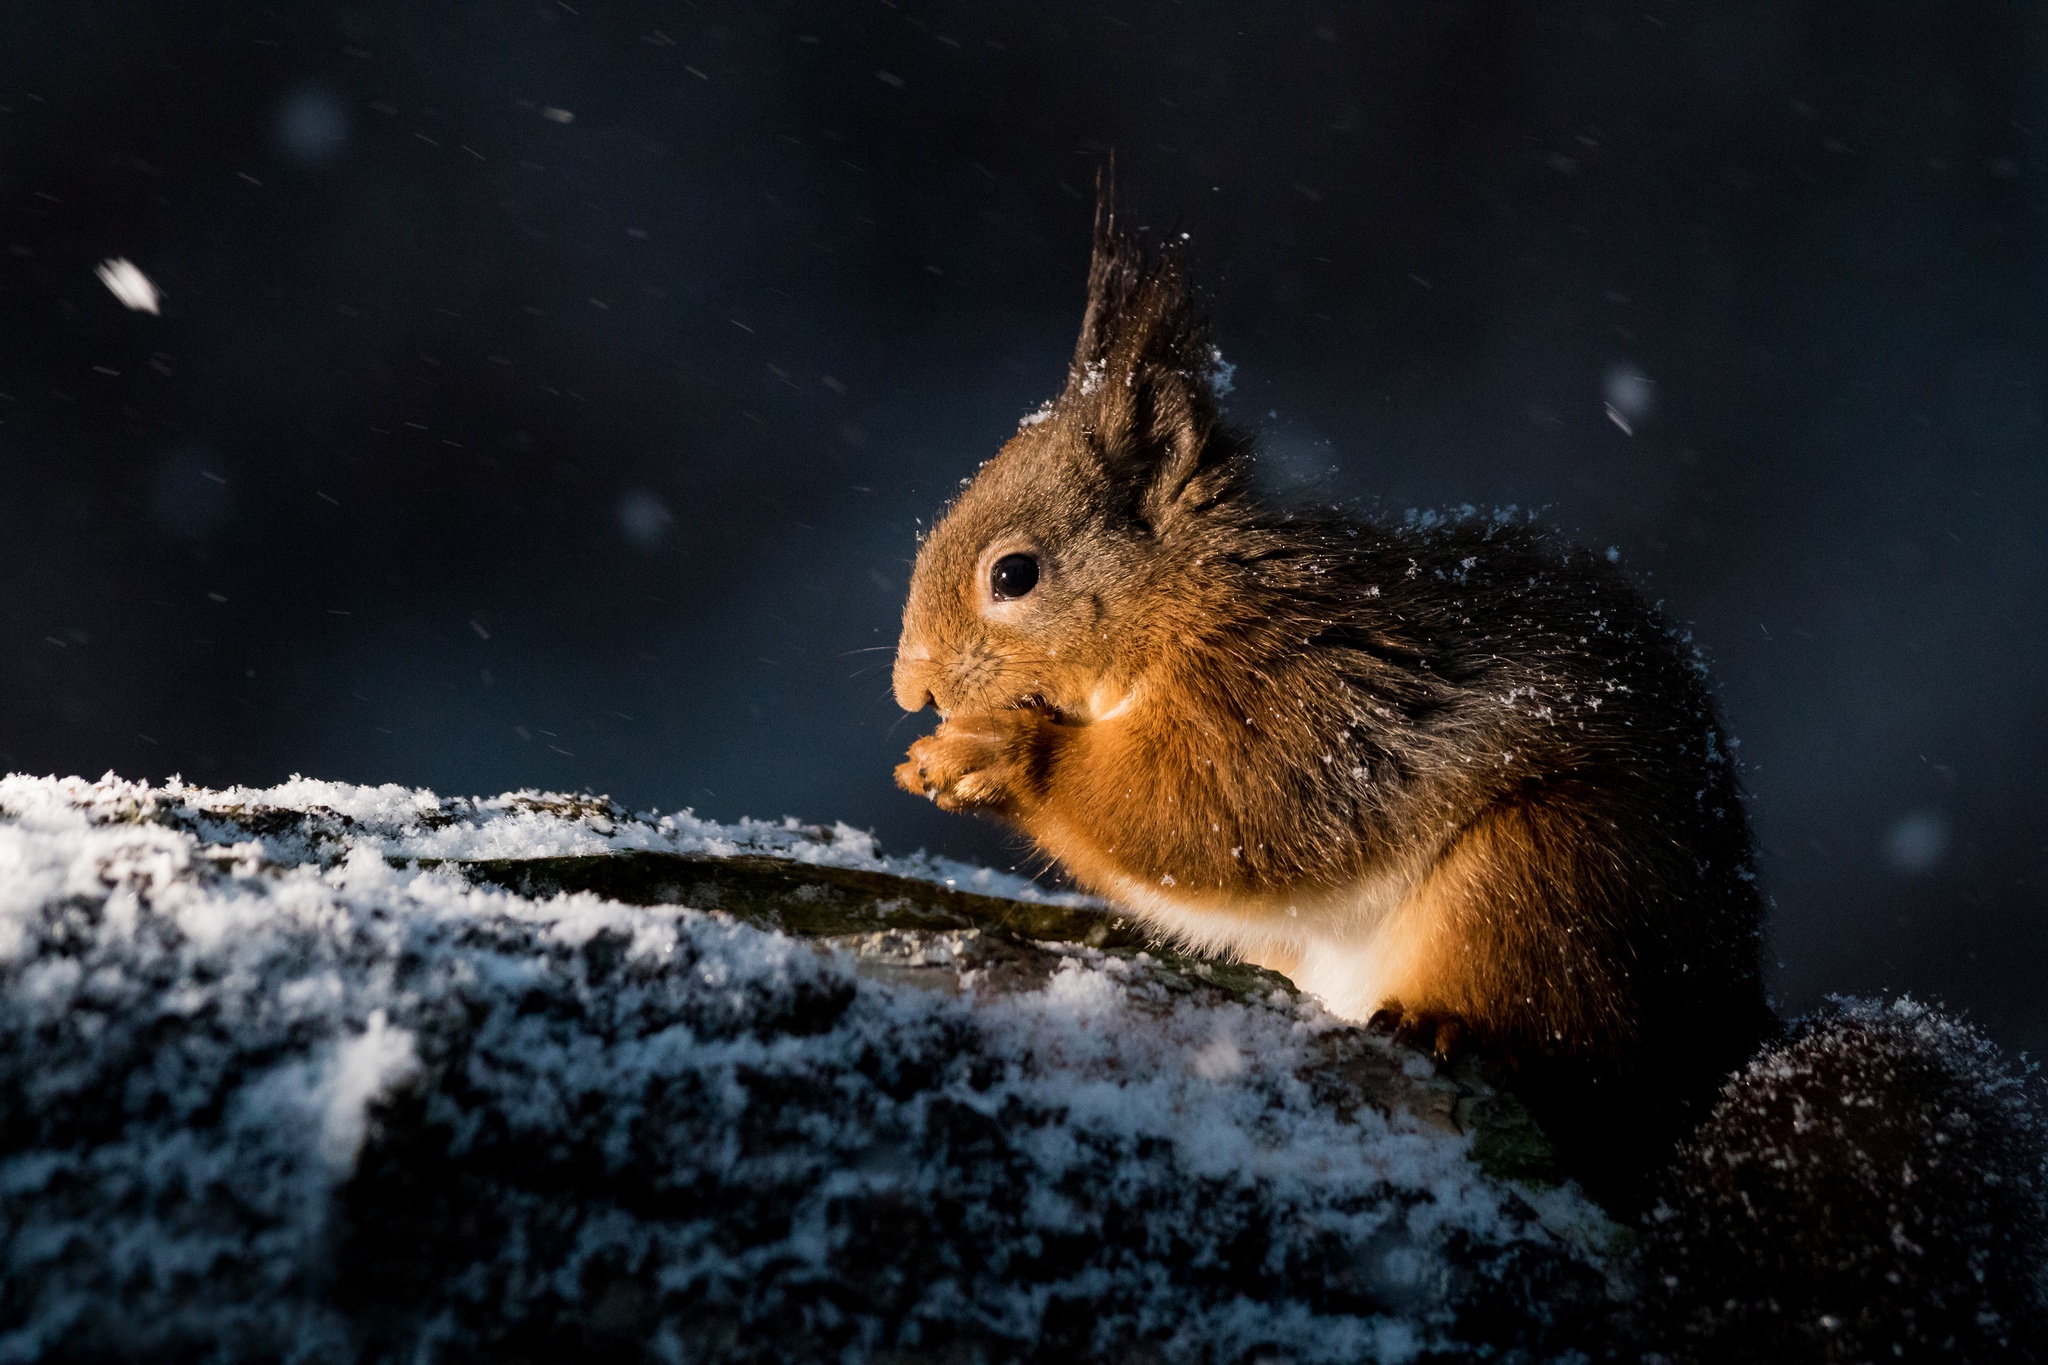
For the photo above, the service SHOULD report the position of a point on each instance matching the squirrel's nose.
(912, 692)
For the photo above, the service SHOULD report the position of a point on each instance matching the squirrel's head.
(1064, 563)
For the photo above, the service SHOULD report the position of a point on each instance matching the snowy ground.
(268, 1090)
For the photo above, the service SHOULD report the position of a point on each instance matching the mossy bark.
(910, 931)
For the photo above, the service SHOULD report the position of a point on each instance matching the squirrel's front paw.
(983, 762)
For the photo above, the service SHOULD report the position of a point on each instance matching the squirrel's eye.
(1013, 576)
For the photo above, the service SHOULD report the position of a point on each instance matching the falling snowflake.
(128, 284)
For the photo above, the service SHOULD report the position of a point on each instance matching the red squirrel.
(1458, 775)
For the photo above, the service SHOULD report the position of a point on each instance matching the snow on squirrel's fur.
(269, 1090)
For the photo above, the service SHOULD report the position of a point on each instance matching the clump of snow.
(268, 1089)
(364, 1068)
(306, 820)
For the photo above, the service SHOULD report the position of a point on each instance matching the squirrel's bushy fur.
(1873, 1189)
(1458, 776)
(1460, 772)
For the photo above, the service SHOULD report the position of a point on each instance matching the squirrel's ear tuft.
(1143, 382)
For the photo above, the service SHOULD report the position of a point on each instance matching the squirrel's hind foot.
(1444, 1038)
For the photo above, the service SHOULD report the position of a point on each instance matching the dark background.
(547, 395)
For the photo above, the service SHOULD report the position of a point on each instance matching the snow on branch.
(278, 1077)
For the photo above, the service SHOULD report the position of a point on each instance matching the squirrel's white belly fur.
(1356, 949)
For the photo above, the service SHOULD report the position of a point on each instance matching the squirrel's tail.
(1871, 1189)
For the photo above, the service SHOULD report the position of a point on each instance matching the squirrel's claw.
(910, 775)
